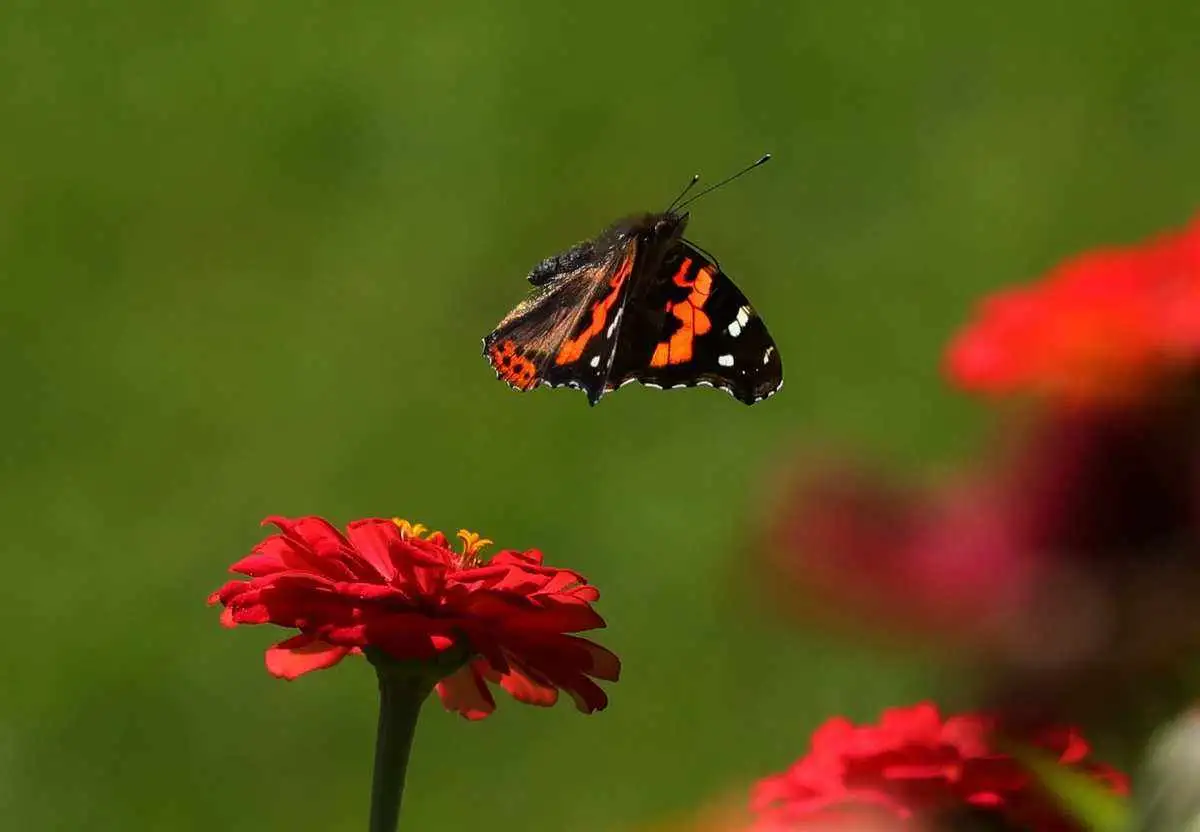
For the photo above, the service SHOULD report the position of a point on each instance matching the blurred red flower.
(847, 543)
(917, 766)
(1074, 555)
(385, 585)
(1069, 564)
(1100, 327)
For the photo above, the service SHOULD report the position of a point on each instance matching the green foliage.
(1084, 797)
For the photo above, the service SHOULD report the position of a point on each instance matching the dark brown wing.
(565, 333)
(694, 327)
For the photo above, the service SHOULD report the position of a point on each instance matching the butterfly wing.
(692, 327)
(565, 333)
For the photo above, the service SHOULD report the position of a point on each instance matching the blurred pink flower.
(1070, 561)
(943, 561)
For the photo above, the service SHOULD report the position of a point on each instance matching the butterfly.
(637, 303)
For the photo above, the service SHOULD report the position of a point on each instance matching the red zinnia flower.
(1102, 326)
(384, 585)
(914, 765)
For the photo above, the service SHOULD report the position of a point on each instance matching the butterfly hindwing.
(565, 332)
(692, 327)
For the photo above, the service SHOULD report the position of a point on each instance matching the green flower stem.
(401, 693)
(403, 687)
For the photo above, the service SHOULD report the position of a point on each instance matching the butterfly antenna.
(766, 158)
(683, 193)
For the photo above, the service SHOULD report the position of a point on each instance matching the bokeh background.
(247, 254)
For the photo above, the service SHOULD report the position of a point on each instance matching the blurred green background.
(248, 251)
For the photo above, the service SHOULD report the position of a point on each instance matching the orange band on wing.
(691, 316)
(680, 278)
(572, 348)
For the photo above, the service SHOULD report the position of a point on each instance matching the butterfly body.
(636, 303)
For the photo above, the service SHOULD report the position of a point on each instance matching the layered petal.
(466, 692)
(386, 585)
(916, 765)
(301, 654)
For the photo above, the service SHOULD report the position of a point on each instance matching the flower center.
(472, 542)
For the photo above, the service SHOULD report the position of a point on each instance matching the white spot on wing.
(739, 323)
(595, 362)
(725, 360)
(767, 354)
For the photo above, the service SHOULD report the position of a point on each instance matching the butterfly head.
(665, 228)
(670, 223)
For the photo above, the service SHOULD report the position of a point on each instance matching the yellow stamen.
(472, 542)
(408, 529)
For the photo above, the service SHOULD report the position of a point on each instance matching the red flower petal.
(301, 654)
(524, 689)
(374, 539)
(466, 693)
(275, 554)
(311, 533)
(1101, 326)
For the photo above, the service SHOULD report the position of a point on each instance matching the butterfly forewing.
(695, 327)
(565, 332)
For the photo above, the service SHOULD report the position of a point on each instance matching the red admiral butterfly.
(637, 303)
